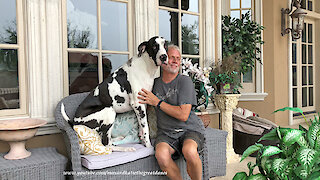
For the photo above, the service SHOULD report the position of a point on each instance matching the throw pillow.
(90, 141)
(125, 129)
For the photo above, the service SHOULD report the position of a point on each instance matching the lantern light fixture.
(297, 17)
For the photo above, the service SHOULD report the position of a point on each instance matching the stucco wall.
(275, 60)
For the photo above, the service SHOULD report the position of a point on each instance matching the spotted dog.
(118, 93)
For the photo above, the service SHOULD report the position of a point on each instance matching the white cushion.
(116, 158)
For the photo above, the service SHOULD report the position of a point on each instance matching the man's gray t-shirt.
(177, 92)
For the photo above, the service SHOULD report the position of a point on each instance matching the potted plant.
(224, 77)
(296, 157)
(200, 79)
(242, 36)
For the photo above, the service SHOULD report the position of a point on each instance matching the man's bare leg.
(194, 164)
(163, 155)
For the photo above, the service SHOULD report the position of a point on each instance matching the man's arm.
(181, 112)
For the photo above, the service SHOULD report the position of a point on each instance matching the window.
(12, 65)
(252, 81)
(179, 23)
(304, 66)
(238, 8)
(97, 41)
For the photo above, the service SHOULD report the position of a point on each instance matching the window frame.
(200, 16)
(313, 17)
(99, 49)
(257, 86)
(20, 47)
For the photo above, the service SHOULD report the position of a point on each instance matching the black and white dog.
(118, 93)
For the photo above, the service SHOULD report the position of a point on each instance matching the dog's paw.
(148, 145)
(130, 149)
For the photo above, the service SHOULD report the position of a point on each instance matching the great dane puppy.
(118, 93)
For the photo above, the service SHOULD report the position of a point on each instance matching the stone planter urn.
(226, 103)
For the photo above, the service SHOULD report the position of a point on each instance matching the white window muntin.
(19, 46)
(197, 13)
(99, 51)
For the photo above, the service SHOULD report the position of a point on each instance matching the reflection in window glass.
(235, 14)
(82, 24)
(168, 26)
(245, 3)
(304, 97)
(8, 28)
(310, 33)
(169, 3)
(310, 8)
(83, 72)
(245, 11)
(247, 77)
(235, 4)
(295, 97)
(310, 53)
(114, 26)
(111, 62)
(304, 75)
(303, 4)
(190, 5)
(9, 86)
(294, 75)
(304, 55)
(190, 34)
(294, 53)
(304, 33)
(310, 96)
(310, 72)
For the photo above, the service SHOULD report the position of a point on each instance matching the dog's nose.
(163, 57)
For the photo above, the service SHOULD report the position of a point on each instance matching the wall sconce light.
(297, 20)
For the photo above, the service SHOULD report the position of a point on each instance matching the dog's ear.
(142, 48)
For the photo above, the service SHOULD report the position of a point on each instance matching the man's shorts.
(176, 144)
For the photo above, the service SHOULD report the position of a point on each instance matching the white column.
(44, 59)
(226, 103)
(146, 14)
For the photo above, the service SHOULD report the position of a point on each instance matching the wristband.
(159, 103)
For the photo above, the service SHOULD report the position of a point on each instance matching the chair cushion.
(116, 158)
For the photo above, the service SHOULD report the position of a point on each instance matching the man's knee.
(163, 156)
(190, 152)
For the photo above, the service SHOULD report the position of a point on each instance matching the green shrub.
(296, 157)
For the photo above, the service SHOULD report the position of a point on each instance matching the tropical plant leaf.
(314, 176)
(251, 149)
(292, 136)
(290, 109)
(240, 176)
(301, 172)
(257, 177)
(275, 134)
(312, 134)
(279, 166)
(317, 142)
(270, 151)
(301, 128)
(272, 135)
(303, 142)
(307, 157)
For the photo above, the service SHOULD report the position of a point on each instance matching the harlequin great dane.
(118, 93)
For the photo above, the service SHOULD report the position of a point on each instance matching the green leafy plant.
(296, 157)
(200, 79)
(224, 77)
(242, 36)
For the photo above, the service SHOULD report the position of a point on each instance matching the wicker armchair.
(213, 155)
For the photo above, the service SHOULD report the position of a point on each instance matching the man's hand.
(148, 97)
